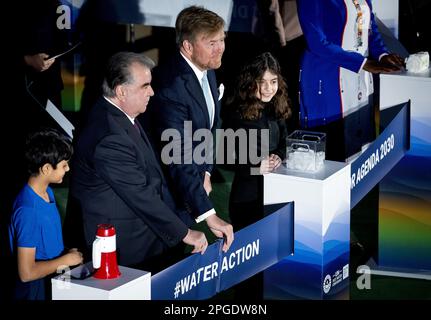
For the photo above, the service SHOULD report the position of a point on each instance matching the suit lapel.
(149, 148)
(193, 86)
(214, 91)
(138, 137)
(131, 131)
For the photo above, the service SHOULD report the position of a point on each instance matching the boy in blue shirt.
(35, 228)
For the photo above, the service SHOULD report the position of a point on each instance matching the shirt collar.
(132, 120)
(199, 74)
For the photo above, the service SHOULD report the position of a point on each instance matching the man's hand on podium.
(196, 239)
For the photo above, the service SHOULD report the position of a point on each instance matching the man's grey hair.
(118, 70)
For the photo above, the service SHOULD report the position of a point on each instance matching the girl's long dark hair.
(244, 98)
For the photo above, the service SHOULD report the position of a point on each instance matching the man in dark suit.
(116, 178)
(187, 98)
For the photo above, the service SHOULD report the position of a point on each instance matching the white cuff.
(206, 172)
(202, 217)
(382, 55)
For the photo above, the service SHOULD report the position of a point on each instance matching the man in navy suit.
(116, 177)
(187, 98)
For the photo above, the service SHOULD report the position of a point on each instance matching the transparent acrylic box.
(305, 150)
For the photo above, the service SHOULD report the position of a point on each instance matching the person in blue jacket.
(344, 47)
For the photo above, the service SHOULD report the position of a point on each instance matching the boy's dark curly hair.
(46, 146)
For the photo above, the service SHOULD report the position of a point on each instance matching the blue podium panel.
(405, 193)
(254, 249)
(319, 267)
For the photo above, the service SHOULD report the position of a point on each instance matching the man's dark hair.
(118, 70)
(46, 146)
(194, 20)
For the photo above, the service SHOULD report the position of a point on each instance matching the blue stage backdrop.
(255, 248)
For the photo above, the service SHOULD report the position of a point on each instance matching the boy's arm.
(29, 269)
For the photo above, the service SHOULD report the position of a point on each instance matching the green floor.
(382, 287)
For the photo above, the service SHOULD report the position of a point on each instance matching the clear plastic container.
(305, 150)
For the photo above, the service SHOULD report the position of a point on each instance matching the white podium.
(131, 285)
(405, 193)
(319, 267)
(399, 87)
